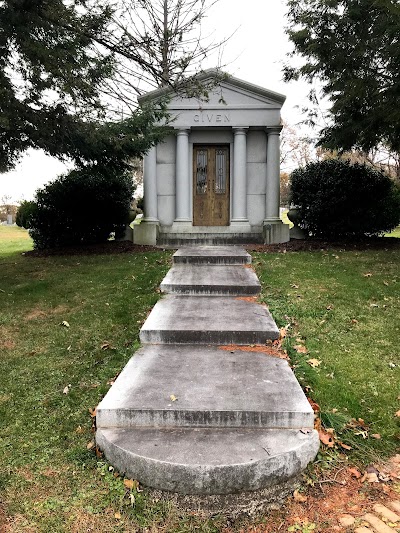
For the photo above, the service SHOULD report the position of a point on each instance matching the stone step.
(208, 320)
(237, 280)
(210, 239)
(212, 255)
(208, 460)
(210, 387)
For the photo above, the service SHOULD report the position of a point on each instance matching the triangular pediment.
(229, 92)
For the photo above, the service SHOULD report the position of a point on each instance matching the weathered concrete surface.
(190, 279)
(232, 506)
(208, 320)
(208, 460)
(220, 255)
(213, 387)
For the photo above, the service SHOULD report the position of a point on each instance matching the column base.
(239, 221)
(275, 231)
(146, 232)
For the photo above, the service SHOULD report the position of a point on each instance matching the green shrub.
(82, 207)
(337, 199)
(25, 213)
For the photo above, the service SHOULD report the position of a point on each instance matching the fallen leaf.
(397, 414)
(129, 483)
(65, 324)
(354, 321)
(118, 516)
(344, 446)
(298, 497)
(355, 473)
(326, 438)
(367, 275)
(105, 346)
(314, 362)
(282, 333)
(79, 430)
(373, 305)
(67, 389)
(370, 477)
(376, 436)
(92, 412)
(90, 445)
(330, 307)
(300, 349)
(173, 398)
(363, 434)
(314, 405)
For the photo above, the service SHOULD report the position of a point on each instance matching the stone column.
(273, 174)
(182, 176)
(239, 189)
(150, 186)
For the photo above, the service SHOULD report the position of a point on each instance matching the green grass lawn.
(344, 306)
(69, 324)
(394, 233)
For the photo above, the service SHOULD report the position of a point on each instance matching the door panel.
(211, 186)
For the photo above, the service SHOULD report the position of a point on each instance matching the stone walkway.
(187, 417)
(381, 519)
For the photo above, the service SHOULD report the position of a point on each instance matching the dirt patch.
(7, 344)
(308, 245)
(91, 522)
(251, 299)
(106, 248)
(333, 495)
(36, 312)
(259, 348)
(3, 519)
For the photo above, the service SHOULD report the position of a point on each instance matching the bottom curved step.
(208, 461)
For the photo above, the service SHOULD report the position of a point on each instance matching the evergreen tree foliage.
(337, 199)
(54, 61)
(353, 48)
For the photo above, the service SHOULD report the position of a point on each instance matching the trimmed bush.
(24, 215)
(82, 207)
(337, 199)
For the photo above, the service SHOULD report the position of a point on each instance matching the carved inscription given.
(211, 118)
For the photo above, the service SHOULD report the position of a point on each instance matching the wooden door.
(211, 185)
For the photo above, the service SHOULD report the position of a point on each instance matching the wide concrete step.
(237, 280)
(213, 255)
(208, 460)
(209, 387)
(210, 239)
(208, 320)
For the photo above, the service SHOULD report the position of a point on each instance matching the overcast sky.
(255, 53)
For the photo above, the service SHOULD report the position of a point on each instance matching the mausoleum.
(215, 178)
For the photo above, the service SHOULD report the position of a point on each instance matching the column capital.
(240, 130)
(182, 130)
(274, 130)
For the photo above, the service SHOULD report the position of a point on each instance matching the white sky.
(255, 53)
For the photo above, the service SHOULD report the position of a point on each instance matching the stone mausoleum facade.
(215, 179)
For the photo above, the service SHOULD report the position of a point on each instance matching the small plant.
(337, 199)
(25, 213)
(82, 207)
